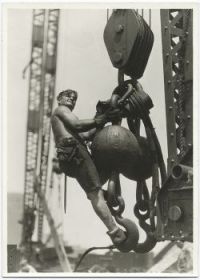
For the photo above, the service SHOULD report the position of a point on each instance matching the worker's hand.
(113, 115)
(110, 115)
(100, 120)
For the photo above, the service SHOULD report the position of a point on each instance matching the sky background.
(84, 65)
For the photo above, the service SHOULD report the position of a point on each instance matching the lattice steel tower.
(41, 96)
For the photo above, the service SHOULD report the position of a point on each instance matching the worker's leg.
(100, 207)
(88, 178)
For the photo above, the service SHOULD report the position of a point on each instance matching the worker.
(75, 161)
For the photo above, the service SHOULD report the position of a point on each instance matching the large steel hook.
(114, 199)
(147, 245)
(132, 234)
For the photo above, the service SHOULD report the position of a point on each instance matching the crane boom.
(40, 105)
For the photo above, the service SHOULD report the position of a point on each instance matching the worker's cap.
(66, 92)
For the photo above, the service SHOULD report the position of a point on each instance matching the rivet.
(172, 236)
(186, 33)
(163, 237)
(170, 108)
(182, 236)
(167, 54)
(174, 213)
(172, 134)
(187, 62)
(172, 160)
(189, 117)
(166, 27)
(169, 82)
(189, 145)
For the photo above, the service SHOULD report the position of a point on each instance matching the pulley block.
(129, 42)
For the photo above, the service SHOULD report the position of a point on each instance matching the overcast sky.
(82, 64)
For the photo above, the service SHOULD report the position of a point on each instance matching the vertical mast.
(177, 64)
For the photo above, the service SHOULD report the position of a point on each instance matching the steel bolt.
(172, 134)
(170, 108)
(172, 160)
(169, 82)
(119, 28)
(189, 117)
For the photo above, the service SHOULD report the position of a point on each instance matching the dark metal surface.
(176, 209)
(175, 200)
(129, 41)
(116, 149)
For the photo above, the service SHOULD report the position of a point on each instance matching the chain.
(116, 205)
(144, 208)
(115, 200)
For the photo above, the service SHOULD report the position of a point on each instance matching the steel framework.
(175, 200)
(177, 65)
(41, 96)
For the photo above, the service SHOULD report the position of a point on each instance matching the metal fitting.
(182, 172)
(119, 28)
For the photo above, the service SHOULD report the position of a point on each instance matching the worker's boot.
(117, 236)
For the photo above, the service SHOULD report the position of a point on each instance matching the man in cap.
(75, 161)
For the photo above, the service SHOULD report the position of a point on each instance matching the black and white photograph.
(100, 116)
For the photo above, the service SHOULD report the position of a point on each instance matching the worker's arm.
(72, 122)
(89, 135)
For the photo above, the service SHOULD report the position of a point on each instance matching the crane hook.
(132, 234)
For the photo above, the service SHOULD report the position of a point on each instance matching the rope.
(65, 194)
(26, 68)
(107, 14)
(88, 251)
(150, 18)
